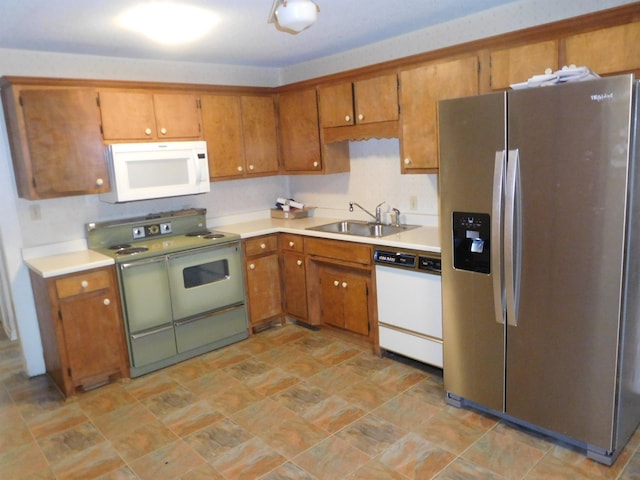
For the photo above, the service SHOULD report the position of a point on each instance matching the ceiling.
(242, 36)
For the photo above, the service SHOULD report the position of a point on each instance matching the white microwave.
(142, 171)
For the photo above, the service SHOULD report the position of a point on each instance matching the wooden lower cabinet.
(344, 297)
(81, 328)
(294, 276)
(263, 281)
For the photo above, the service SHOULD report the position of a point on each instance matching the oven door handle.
(226, 309)
(137, 263)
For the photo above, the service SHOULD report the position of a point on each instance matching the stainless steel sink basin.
(362, 229)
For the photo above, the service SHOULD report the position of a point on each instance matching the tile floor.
(289, 403)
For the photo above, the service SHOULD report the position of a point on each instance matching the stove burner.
(213, 235)
(131, 250)
(120, 246)
(198, 233)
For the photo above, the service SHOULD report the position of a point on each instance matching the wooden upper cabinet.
(299, 131)
(518, 64)
(131, 116)
(260, 134)
(55, 140)
(420, 90)
(361, 102)
(241, 135)
(607, 51)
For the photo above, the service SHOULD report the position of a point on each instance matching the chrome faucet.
(377, 217)
(396, 217)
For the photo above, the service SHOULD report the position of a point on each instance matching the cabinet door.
(65, 150)
(420, 90)
(93, 336)
(376, 99)
(331, 296)
(299, 131)
(127, 115)
(355, 291)
(260, 134)
(336, 105)
(606, 51)
(295, 285)
(517, 64)
(223, 134)
(263, 288)
(177, 115)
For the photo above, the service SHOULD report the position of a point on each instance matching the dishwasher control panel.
(409, 260)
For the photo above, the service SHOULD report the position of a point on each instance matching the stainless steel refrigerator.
(540, 226)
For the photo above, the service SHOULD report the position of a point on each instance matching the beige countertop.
(422, 239)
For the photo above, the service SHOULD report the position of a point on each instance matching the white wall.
(375, 164)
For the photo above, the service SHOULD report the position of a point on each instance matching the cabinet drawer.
(338, 250)
(85, 282)
(260, 245)
(291, 243)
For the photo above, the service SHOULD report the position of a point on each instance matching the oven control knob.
(84, 284)
(106, 301)
(336, 283)
(344, 284)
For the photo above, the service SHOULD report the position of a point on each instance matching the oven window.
(206, 273)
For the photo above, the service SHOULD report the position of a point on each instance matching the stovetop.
(154, 234)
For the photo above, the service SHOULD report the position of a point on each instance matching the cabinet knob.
(407, 161)
(147, 131)
(263, 246)
(291, 244)
(360, 116)
(163, 131)
(106, 301)
(315, 164)
(344, 284)
(84, 284)
(251, 167)
(299, 263)
(336, 283)
(347, 118)
(99, 182)
(240, 168)
(252, 266)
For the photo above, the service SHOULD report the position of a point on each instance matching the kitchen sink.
(362, 229)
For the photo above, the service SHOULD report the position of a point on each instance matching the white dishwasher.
(409, 300)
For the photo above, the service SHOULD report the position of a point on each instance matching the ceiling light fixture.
(293, 16)
(168, 23)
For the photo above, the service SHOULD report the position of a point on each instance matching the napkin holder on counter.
(292, 213)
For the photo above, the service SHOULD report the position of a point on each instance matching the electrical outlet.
(34, 211)
(413, 202)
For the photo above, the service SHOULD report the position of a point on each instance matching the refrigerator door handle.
(497, 209)
(512, 236)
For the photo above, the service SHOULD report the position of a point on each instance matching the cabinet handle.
(252, 266)
(163, 131)
(344, 284)
(84, 284)
(147, 131)
(360, 117)
(299, 263)
(240, 168)
(106, 301)
(407, 161)
(336, 283)
(251, 167)
(263, 246)
(347, 118)
(315, 164)
(291, 244)
(99, 182)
